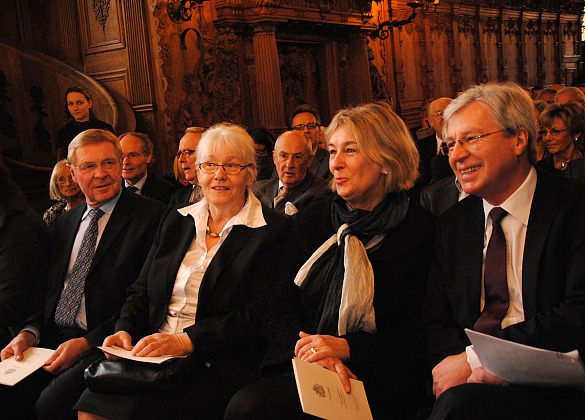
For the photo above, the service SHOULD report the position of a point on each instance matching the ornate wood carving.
(101, 10)
(213, 87)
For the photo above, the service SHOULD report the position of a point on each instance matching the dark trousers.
(43, 395)
(488, 402)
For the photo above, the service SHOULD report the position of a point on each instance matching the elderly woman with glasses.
(65, 190)
(201, 290)
(349, 298)
(561, 127)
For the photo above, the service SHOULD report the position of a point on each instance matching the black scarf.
(324, 281)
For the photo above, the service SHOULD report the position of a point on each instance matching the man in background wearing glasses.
(296, 186)
(510, 262)
(305, 119)
(186, 154)
(98, 250)
(136, 155)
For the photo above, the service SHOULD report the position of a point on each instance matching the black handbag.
(127, 375)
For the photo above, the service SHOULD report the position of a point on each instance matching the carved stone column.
(268, 86)
(358, 69)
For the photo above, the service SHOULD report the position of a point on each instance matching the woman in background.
(63, 188)
(561, 127)
(78, 105)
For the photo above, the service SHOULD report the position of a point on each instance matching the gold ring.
(313, 350)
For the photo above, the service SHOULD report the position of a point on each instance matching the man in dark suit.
(98, 250)
(136, 155)
(510, 261)
(296, 186)
(429, 147)
(186, 154)
(441, 195)
(305, 119)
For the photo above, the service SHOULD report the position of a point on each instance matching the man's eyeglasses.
(553, 132)
(296, 158)
(107, 165)
(310, 126)
(469, 142)
(185, 152)
(436, 114)
(228, 168)
(132, 155)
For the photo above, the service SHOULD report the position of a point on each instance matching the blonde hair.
(54, 191)
(382, 137)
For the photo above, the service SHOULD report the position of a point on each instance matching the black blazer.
(320, 164)
(182, 195)
(311, 188)
(440, 196)
(157, 188)
(117, 261)
(231, 293)
(391, 361)
(553, 273)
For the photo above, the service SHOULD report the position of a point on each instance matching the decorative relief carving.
(8, 132)
(298, 76)
(101, 9)
(379, 87)
(553, 6)
(213, 88)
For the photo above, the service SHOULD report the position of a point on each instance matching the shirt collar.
(519, 203)
(106, 208)
(250, 215)
(139, 184)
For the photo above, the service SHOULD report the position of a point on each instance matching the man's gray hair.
(510, 106)
(92, 136)
(147, 146)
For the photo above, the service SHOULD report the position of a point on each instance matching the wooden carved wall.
(468, 42)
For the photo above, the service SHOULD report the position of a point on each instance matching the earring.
(385, 172)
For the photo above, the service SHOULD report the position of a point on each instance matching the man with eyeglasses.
(186, 154)
(136, 155)
(305, 119)
(296, 186)
(510, 262)
(98, 250)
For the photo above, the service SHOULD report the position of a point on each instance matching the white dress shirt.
(138, 185)
(514, 226)
(183, 304)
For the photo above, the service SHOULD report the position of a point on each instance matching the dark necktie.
(132, 189)
(71, 296)
(280, 196)
(495, 278)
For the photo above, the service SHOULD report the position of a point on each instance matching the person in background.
(78, 105)
(561, 128)
(190, 193)
(137, 151)
(264, 145)
(63, 188)
(296, 186)
(306, 120)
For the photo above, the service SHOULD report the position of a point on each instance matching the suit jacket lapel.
(539, 223)
(184, 234)
(120, 216)
(470, 257)
(234, 244)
